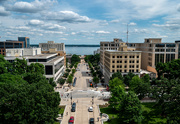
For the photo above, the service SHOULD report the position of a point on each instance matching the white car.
(90, 109)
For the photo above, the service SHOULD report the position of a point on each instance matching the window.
(120, 70)
(120, 66)
(125, 61)
(117, 56)
(125, 66)
(133, 61)
(130, 66)
(168, 50)
(129, 70)
(132, 70)
(160, 45)
(156, 50)
(112, 70)
(112, 61)
(117, 61)
(132, 56)
(120, 61)
(113, 56)
(170, 45)
(137, 56)
(120, 56)
(124, 70)
(137, 66)
(129, 56)
(113, 66)
(172, 50)
(162, 50)
(125, 56)
(117, 66)
(137, 61)
(49, 70)
(129, 61)
(137, 70)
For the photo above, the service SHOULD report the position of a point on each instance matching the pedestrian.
(66, 113)
(98, 118)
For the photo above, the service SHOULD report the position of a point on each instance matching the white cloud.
(65, 16)
(63, 39)
(132, 24)
(33, 7)
(35, 22)
(103, 23)
(46, 26)
(102, 32)
(3, 12)
(115, 21)
(73, 33)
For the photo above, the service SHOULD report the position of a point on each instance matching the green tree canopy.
(115, 82)
(130, 110)
(139, 86)
(117, 74)
(128, 78)
(75, 58)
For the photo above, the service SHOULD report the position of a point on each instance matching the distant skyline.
(89, 22)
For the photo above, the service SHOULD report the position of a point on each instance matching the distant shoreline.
(73, 45)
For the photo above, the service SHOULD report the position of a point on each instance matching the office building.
(25, 40)
(54, 64)
(122, 60)
(97, 51)
(52, 44)
(114, 45)
(154, 51)
(52, 47)
(10, 44)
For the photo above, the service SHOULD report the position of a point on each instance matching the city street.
(83, 96)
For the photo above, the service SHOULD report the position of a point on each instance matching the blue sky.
(89, 22)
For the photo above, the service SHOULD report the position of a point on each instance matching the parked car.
(91, 121)
(74, 104)
(73, 109)
(71, 120)
(90, 109)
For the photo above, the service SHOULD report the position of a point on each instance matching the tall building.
(52, 47)
(10, 44)
(25, 40)
(122, 60)
(52, 44)
(54, 64)
(154, 51)
(114, 45)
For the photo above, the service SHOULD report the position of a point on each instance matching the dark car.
(74, 104)
(73, 109)
(91, 121)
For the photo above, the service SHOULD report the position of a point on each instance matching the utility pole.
(127, 33)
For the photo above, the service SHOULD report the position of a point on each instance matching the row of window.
(126, 70)
(162, 50)
(125, 66)
(131, 61)
(125, 56)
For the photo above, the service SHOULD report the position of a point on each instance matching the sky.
(89, 21)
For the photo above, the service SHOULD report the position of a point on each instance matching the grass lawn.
(151, 115)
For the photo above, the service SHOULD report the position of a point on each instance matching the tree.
(61, 81)
(139, 87)
(21, 102)
(128, 78)
(36, 67)
(115, 82)
(166, 93)
(70, 78)
(130, 110)
(117, 74)
(5, 66)
(20, 66)
(75, 58)
(52, 82)
(96, 80)
(117, 95)
(73, 71)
